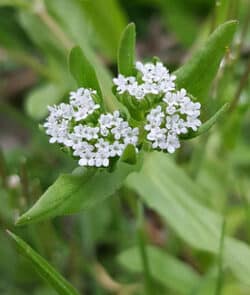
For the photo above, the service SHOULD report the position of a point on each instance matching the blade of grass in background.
(45, 270)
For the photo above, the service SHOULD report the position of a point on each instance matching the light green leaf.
(169, 191)
(126, 51)
(76, 192)
(208, 124)
(38, 100)
(82, 70)
(45, 270)
(166, 269)
(198, 73)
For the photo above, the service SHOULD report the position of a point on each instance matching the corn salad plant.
(145, 145)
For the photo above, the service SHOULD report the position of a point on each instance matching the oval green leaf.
(82, 70)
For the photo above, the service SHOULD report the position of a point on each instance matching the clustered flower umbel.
(95, 137)
(174, 112)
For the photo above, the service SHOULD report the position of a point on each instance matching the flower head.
(93, 143)
(176, 114)
(151, 79)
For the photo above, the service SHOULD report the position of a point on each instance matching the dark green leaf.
(198, 73)
(45, 270)
(126, 51)
(165, 268)
(208, 124)
(76, 192)
(82, 70)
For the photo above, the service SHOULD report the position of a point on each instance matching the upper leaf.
(198, 73)
(126, 51)
(83, 71)
(45, 270)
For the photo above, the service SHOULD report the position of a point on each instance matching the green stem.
(142, 247)
(40, 10)
(220, 259)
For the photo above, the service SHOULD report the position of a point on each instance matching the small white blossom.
(83, 103)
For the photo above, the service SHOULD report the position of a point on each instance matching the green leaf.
(208, 124)
(126, 51)
(198, 73)
(76, 192)
(166, 269)
(45, 270)
(129, 154)
(82, 70)
(169, 191)
(38, 100)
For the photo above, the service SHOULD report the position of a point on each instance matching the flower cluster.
(150, 79)
(171, 118)
(93, 141)
(95, 137)
(172, 112)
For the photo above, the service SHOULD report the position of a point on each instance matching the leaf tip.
(129, 155)
(10, 234)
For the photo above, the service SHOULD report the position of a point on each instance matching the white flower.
(173, 143)
(116, 149)
(102, 159)
(83, 103)
(123, 83)
(154, 79)
(87, 159)
(131, 135)
(102, 146)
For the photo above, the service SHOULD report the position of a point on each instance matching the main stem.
(142, 247)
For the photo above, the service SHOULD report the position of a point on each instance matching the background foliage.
(197, 218)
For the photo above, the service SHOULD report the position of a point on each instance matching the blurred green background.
(208, 177)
